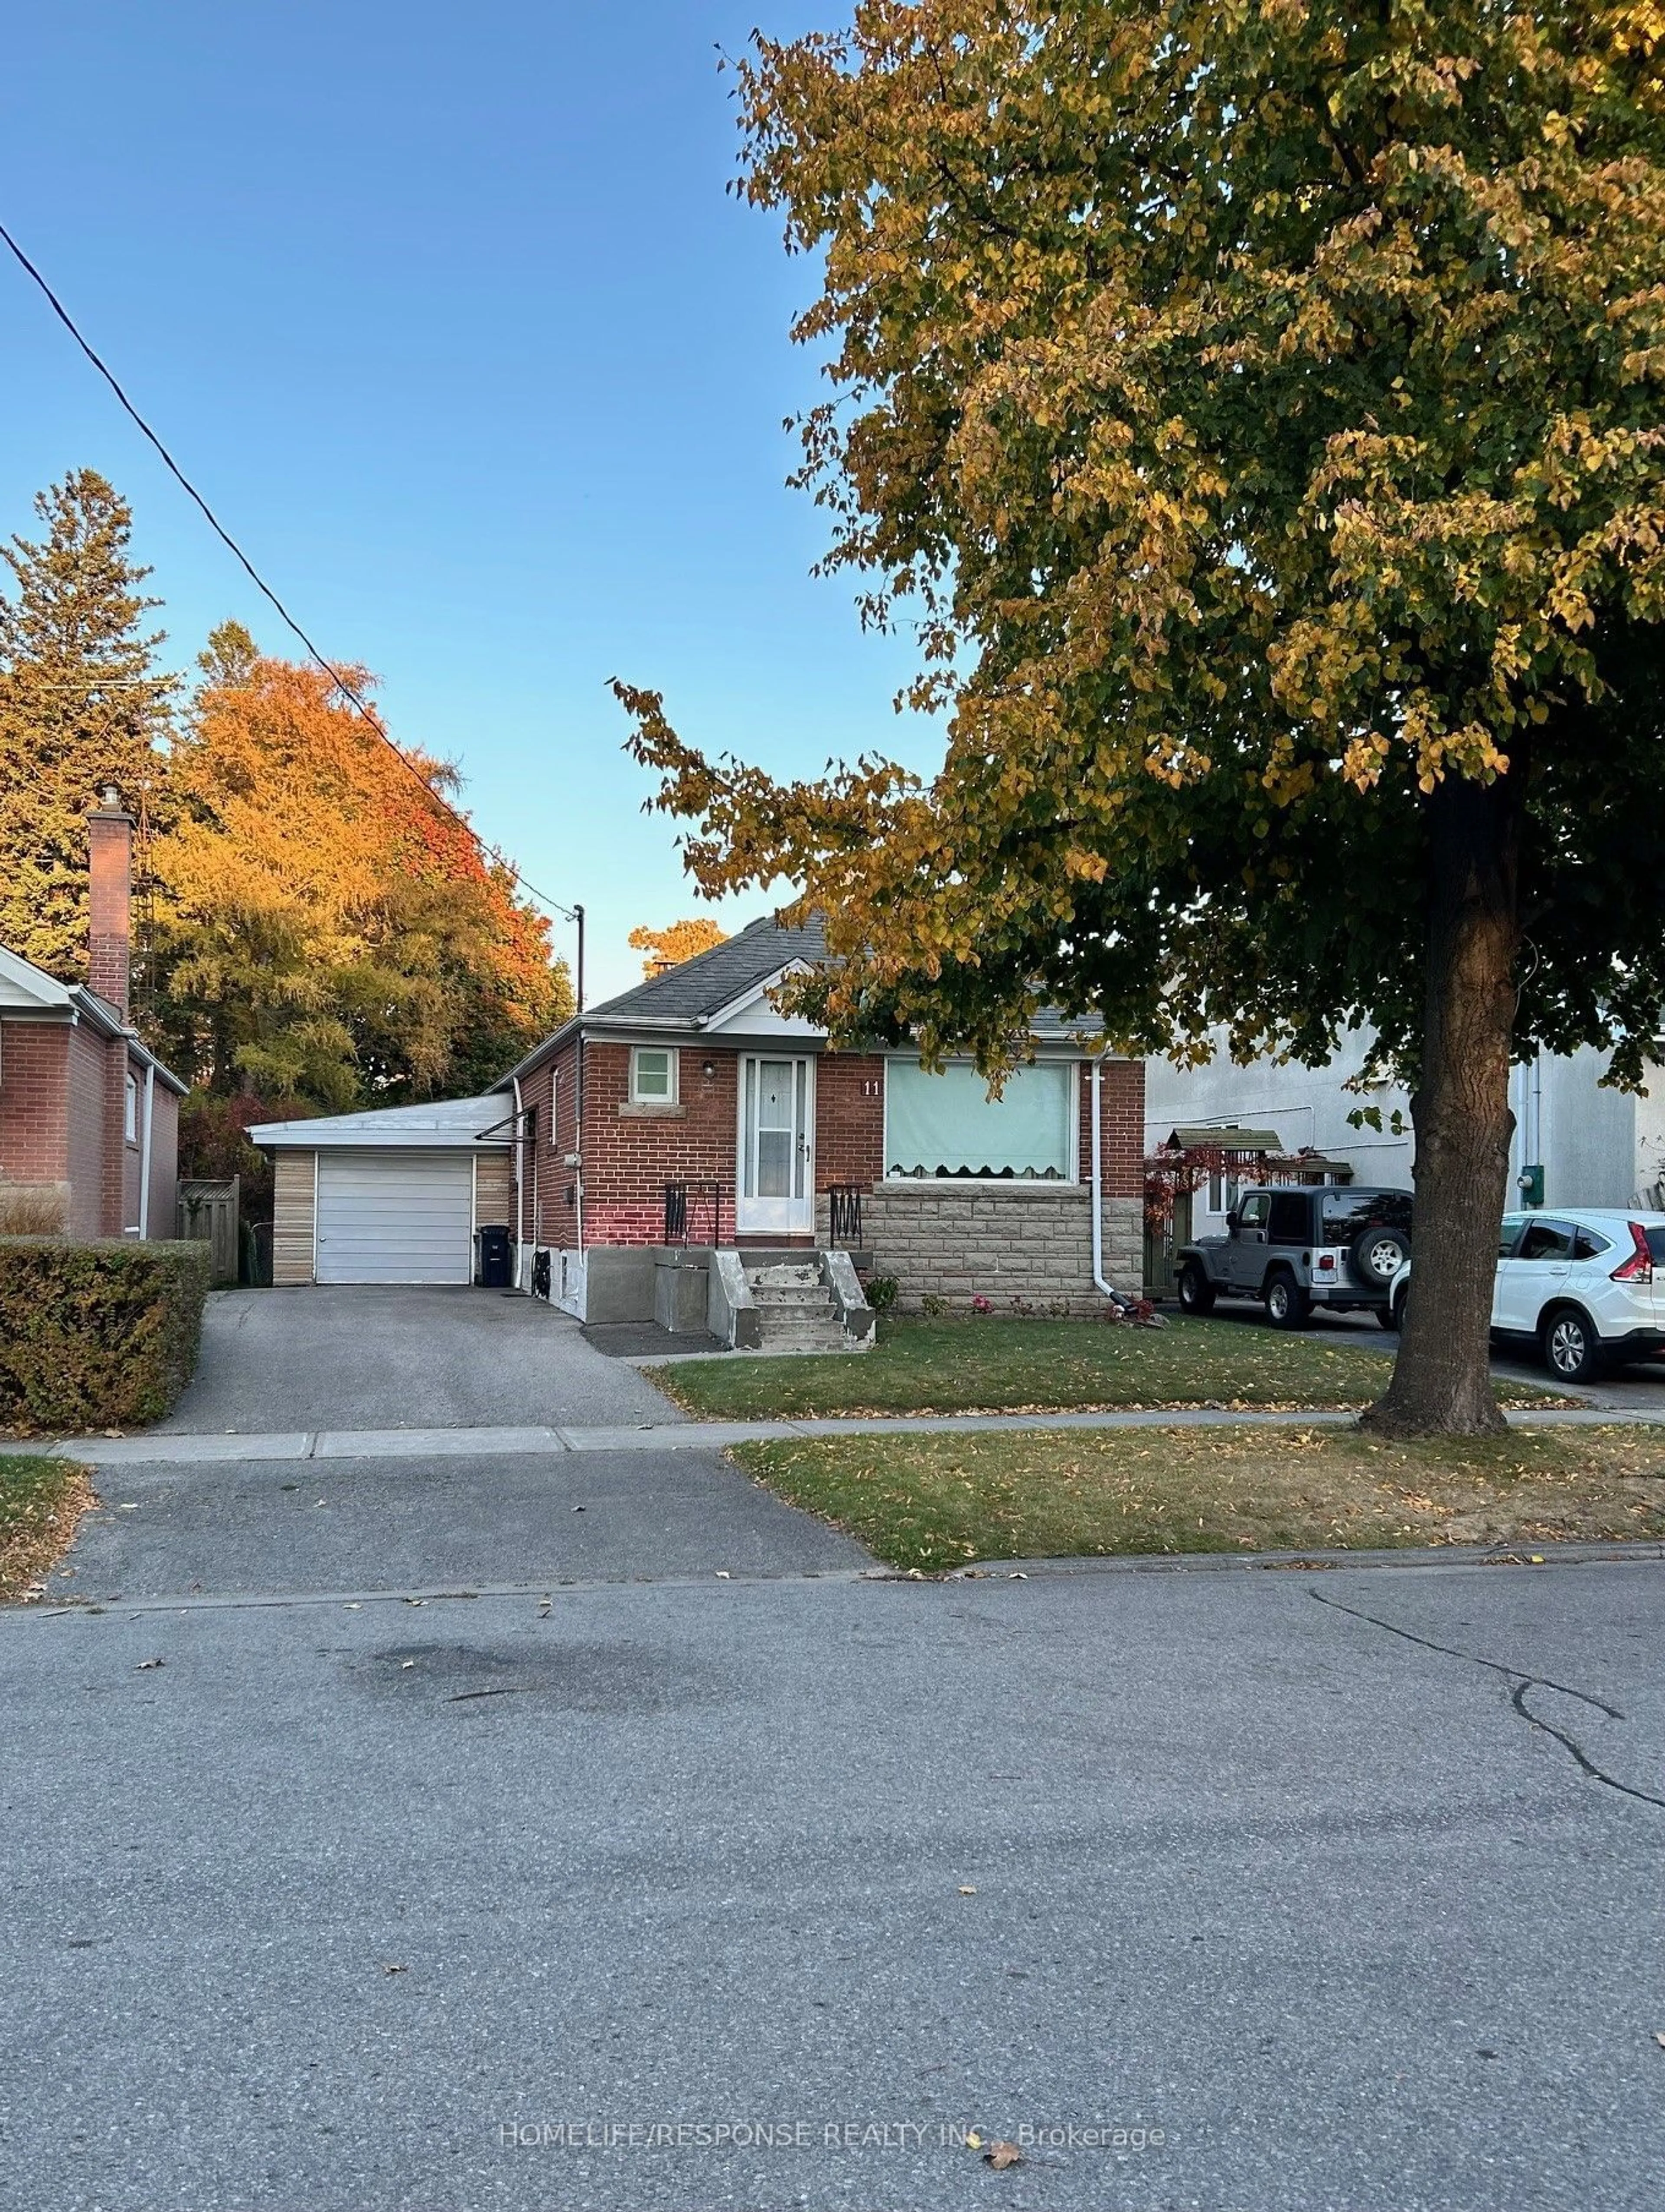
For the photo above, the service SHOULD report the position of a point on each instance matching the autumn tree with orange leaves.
(678, 941)
(329, 932)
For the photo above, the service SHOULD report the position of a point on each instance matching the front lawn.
(40, 1502)
(933, 1501)
(1044, 1366)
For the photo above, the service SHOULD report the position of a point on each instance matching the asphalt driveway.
(323, 1358)
(1243, 1889)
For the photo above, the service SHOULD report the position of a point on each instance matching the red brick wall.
(62, 1099)
(164, 1164)
(132, 1162)
(629, 1156)
(109, 883)
(118, 1207)
(551, 1216)
(87, 1088)
(32, 1058)
(849, 1118)
(1123, 1104)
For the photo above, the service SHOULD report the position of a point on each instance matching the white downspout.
(1098, 1156)
(520, 1217)
(144, 1157)
(578, 1140)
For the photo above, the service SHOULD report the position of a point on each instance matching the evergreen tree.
(82, 705)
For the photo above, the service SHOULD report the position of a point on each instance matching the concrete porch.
(748, 1297)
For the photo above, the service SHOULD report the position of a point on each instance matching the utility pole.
(578, 916)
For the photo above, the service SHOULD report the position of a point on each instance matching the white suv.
(1581, 1283)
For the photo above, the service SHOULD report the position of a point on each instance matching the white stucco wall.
(1648, 1112)
(1584, 1136)
(1307, 1106)
(1598, 1147)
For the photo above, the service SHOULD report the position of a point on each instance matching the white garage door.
(395, 1217)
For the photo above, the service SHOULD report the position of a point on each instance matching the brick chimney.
(110, 858)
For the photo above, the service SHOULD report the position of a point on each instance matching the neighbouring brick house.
(89, 1116)
(690, 1108)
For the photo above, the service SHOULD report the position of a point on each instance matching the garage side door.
(395, 1217)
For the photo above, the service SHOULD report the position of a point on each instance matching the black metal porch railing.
(844, 1207)
(691, 1207)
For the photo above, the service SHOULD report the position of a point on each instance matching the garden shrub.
(96, 1335)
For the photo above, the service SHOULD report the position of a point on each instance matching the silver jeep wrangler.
(1295, 1249)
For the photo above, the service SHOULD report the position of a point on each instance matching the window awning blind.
(948, 1125)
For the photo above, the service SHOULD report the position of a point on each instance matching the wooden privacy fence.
(208, 1215)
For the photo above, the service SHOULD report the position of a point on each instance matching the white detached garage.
(392, 1196)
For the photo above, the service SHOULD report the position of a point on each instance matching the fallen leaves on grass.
(927, 1505)
(41, 1502)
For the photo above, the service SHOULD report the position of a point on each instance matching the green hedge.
(96, 1336)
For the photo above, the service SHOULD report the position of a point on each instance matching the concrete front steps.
(796, 1310)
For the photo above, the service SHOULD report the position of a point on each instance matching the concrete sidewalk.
(717, 1436)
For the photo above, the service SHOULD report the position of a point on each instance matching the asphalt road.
(349, 1907)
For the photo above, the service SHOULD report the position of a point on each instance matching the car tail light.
(1639, 1267)
(1326, 1263)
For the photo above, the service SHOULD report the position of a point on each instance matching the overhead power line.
(348, 691)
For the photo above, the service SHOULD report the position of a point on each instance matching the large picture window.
(947, 1125)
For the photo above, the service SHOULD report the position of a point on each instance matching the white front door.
(776, 1193)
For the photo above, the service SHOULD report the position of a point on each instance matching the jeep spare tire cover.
(1379, 1254)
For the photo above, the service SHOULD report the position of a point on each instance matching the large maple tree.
(1257, 405)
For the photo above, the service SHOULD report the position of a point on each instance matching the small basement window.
(653, 1076)
(938, 1126)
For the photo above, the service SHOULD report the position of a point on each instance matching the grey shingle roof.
(690, 994)
(687, 996)
(699, 987)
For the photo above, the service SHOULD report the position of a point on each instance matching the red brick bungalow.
(89, 1115)
(691, 1108)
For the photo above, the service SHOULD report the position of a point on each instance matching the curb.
(1429, 1559)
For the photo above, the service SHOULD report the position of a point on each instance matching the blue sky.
(449, 314)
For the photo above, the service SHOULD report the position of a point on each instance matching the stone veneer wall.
(948, 1241)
